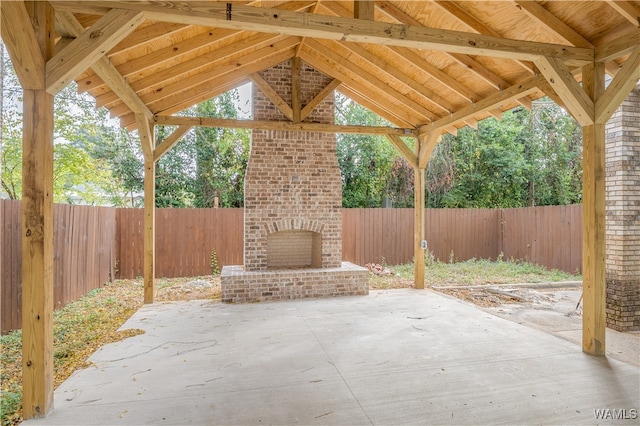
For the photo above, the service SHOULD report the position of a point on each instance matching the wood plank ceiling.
(168, 64)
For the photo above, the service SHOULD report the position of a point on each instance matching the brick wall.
(293, 179)
(623, 215)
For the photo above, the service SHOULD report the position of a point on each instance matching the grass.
(84, 325)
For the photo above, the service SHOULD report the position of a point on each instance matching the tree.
(371, 168)
(79, 176)
(555, 156)
(221, 155)
(489, 165)
(175, 172)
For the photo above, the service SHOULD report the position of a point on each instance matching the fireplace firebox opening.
(294, 249)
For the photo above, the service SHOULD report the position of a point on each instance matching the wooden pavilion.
(428, 67)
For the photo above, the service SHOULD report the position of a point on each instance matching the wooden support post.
(149, 229)
(296, 97)
(364, 9)
(418, 224)
(146, 134)
(593, 221)
(37, 229)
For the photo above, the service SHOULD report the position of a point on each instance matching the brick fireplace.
(293, 201)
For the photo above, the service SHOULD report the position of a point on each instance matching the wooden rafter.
(395, 98)
(204, 90)
(396, 114)
(147, 34)
(105, 68)
(552, 23)
(476, 25)
(222, 74)
(338, 28)
(171, 53)
(463, 59)
(438, 103)
(89, 46)
(630, 11)
(204, 63)
(204, 42)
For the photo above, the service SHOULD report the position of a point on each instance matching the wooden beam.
(88, 47)
(273, 96)
(170, 141)
(593, 221)
(364, 9)
(565, 85)
(618, 47)
(37, 223)
(623, 83)
(22, 44)
(280, 125)
(146, 134)
(429, 142)
(630, 11)
(105, 69)
(268, 20)
(296, 93)
(403, 149)
(321, 96)
(489, 103)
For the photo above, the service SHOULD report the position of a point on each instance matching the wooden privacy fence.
(94, 244)
(549, 236)
(84, 255)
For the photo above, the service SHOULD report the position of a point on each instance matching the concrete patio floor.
(393, 357)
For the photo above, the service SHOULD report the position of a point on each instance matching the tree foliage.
(372, 169)
(529, 158)
(222, 155)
